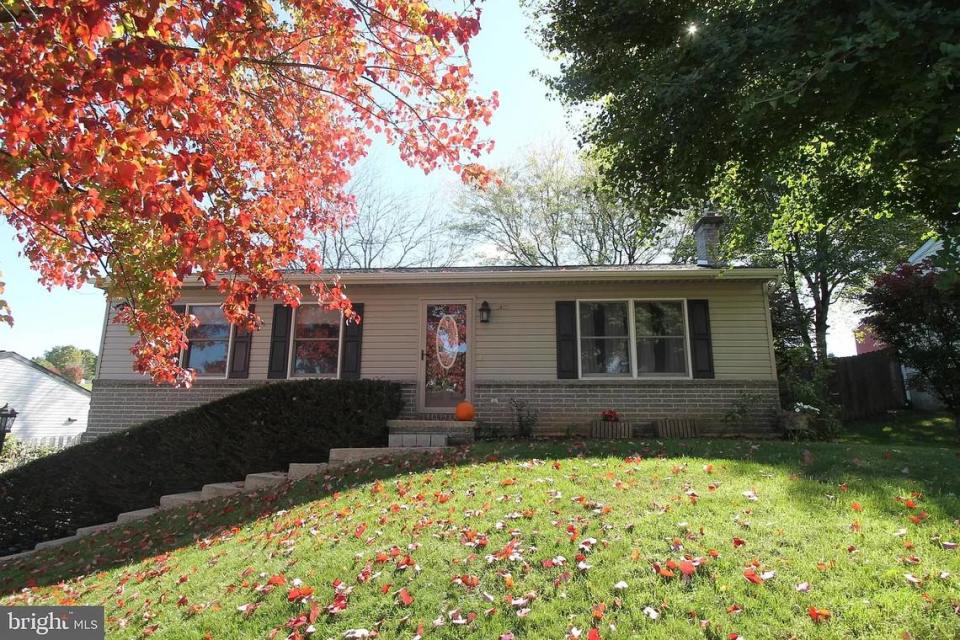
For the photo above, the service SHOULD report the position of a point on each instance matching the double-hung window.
(605, 339)
(661, 338)
(632, 338)
(315, 348)
(208, 346)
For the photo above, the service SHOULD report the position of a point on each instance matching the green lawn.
(486, 542)
(904, 427)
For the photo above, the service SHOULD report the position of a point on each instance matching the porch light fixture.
(7, 416)
(484, 312)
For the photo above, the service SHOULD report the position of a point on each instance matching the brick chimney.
(707, 234)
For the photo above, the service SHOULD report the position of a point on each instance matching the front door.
(445, 349)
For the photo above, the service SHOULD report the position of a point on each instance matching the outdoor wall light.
(7, 416)
(484, 312)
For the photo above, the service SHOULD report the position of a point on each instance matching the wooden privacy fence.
(868, 384)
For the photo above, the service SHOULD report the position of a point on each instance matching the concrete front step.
(418, 440)
(263, 480)
(17, 556)
(50, 544)
(300, 470)
(345, 456)
(139, 514)
(174, 500)
(221, 489)
(87, 531)
(457, 432)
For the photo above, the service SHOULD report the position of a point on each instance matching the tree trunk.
(798, 310)
(821, 337)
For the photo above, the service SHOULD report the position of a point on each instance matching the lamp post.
(7, 416)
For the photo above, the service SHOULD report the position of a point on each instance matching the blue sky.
(503, 58)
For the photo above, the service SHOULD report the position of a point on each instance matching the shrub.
(805, 380)
(16, 453)
(916, 309)
(262, 429)
(524, 416)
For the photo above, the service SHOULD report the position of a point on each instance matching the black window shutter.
(567, 340)
(240, 352)
(701, 343)
(279, 341)
(185, 356)
(352, 340)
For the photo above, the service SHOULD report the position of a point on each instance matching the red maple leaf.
(299, 594)
(751, 574)
(818, 615)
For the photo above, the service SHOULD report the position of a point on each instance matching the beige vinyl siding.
(116, 361)
(260, 345)
(519, 343)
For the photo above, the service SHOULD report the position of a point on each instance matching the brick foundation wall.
(119, 404)
(562, 406)
(568, 406)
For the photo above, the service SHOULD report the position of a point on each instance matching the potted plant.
(610, 426)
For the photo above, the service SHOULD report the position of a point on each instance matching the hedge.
(261, 429)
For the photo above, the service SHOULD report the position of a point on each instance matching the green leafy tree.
(679, 89)
(811, 215)
(913, 310)
(71, 361)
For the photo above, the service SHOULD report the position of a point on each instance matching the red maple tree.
(152, 141)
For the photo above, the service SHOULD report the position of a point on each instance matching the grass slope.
(850, 521)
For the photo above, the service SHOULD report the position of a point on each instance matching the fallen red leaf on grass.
(299, 594)
(819, 615)
(752, 575)
(405, 598)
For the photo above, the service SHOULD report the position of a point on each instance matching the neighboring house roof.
(534, 274)
(929, 249)
(30, 363)
(50, 408)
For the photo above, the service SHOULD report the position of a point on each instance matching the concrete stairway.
(434, 442)
(348, 456)
(430, 433)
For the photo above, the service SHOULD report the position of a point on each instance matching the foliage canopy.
(677, 90)
(152, 141)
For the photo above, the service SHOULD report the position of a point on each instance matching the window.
(209, 342)
(661, 338)
(604, 338)
(316, 342)
(632, 338)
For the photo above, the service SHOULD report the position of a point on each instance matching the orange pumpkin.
(465, 412)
